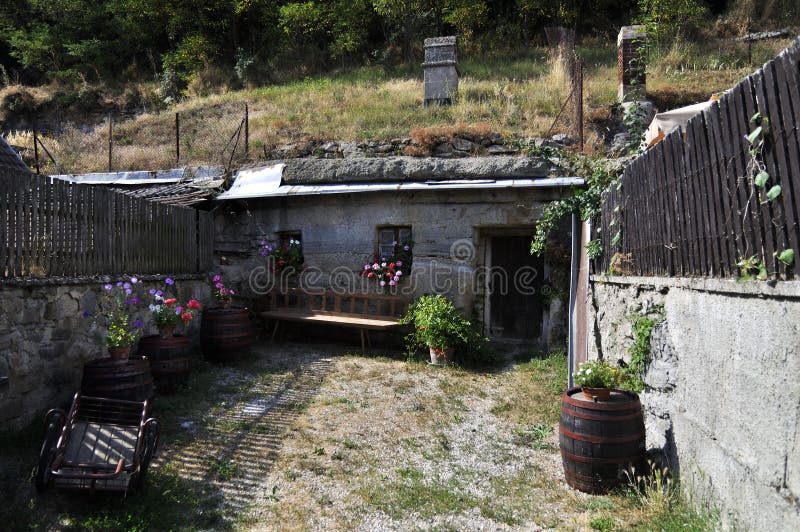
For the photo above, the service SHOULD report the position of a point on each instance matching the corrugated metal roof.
(268, 190)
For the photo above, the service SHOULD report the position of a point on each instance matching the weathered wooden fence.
(691, 205)
(57, 229)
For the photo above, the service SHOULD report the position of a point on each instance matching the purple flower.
(126, 286)
(119, 283)
(263, 253)
(391, 283)
(231, 291)
(367, 266)
(152, 291)
(216, 278)
(179, 309)
(107, 287)
(383, 283)
(169, 281)
(398, 263)
(220, 286)
(134, 280)
(263, 243)
(394, 242)
(135, 300)
(85, 314)
(406, 248)
(127, 301)
(128, 291)
(138, 324)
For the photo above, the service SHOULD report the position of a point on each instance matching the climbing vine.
(642, 326)
(599, 175)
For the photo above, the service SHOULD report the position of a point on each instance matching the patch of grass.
(533, 436)
(602, 523)
(531, 392)
(414, 494)
(225, 469)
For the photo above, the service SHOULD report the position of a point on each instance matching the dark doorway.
(515, 289)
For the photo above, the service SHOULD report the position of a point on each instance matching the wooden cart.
(101, 444)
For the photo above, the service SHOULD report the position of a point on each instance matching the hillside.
(516, 95)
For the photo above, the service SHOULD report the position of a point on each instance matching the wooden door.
(515, 289)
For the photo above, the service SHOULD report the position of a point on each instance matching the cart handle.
(92, 476)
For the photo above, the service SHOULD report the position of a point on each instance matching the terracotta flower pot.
(440, 357)
(119, 353)
(166, 331)
(602, 394)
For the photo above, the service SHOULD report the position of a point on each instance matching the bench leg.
(274, 331)
(363, 348)
(369, 341)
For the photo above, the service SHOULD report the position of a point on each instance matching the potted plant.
(439, 326)
(117, 304)
(168, 313)
(222, 293)
(596, 378)
(285, 261)
(389, 271)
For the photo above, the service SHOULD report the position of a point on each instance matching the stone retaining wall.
(723, 382)
(45, 340)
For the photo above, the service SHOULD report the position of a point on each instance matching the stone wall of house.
(723, 381)
(340, 232)
(45, 340)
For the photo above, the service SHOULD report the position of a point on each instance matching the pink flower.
(220, 286)
(399, 273)
(231, 291)
(399, 263)
(186, 317)
(367, 266)
(392, 282)
(216, 278)
(376, 266)
(383, 283)
(223, 291)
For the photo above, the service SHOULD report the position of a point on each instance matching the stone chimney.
(441, 76)
(631, 64)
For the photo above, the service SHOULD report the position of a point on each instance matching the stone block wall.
(45, 340)
(723, 382)
(339, 234)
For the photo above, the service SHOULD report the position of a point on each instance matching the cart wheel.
(150, 443)
(41, 476)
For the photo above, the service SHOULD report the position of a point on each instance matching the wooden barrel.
(129, 379)
(170, 360)
(600, 440)
(226, 333)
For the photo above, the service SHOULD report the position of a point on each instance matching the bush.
(437, 324)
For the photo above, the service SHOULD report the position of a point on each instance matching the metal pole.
(36, 148)
(110, 142)
(177, 139)
(246, 131)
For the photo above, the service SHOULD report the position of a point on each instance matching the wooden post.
(578, 89)
(110, 142)
(246, 131)
(36, 149)
(177, 139)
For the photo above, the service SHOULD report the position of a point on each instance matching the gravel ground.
(307, 437)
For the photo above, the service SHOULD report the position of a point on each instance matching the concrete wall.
(723, 387)
(45, 340)
(339, 234)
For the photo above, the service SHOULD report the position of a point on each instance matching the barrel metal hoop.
(589, 460)
(600, 439)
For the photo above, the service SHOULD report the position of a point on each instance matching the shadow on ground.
(222, 434)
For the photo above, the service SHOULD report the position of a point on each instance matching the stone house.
(468, 222)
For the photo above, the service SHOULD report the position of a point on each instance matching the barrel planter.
(130, 379)
(600, 440)
(226, 333)
(170, 360)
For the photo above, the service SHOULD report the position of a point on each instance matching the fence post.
(246, 131)
(110, 142)
(36, 148)
(578, 90)
(177, 139)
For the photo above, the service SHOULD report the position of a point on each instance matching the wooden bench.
(364, 312)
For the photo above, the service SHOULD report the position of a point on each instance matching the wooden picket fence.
(59, 229)
(689, 206)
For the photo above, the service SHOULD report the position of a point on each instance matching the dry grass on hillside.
(513, 96)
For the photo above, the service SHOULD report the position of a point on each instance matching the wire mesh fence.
(211, 135)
